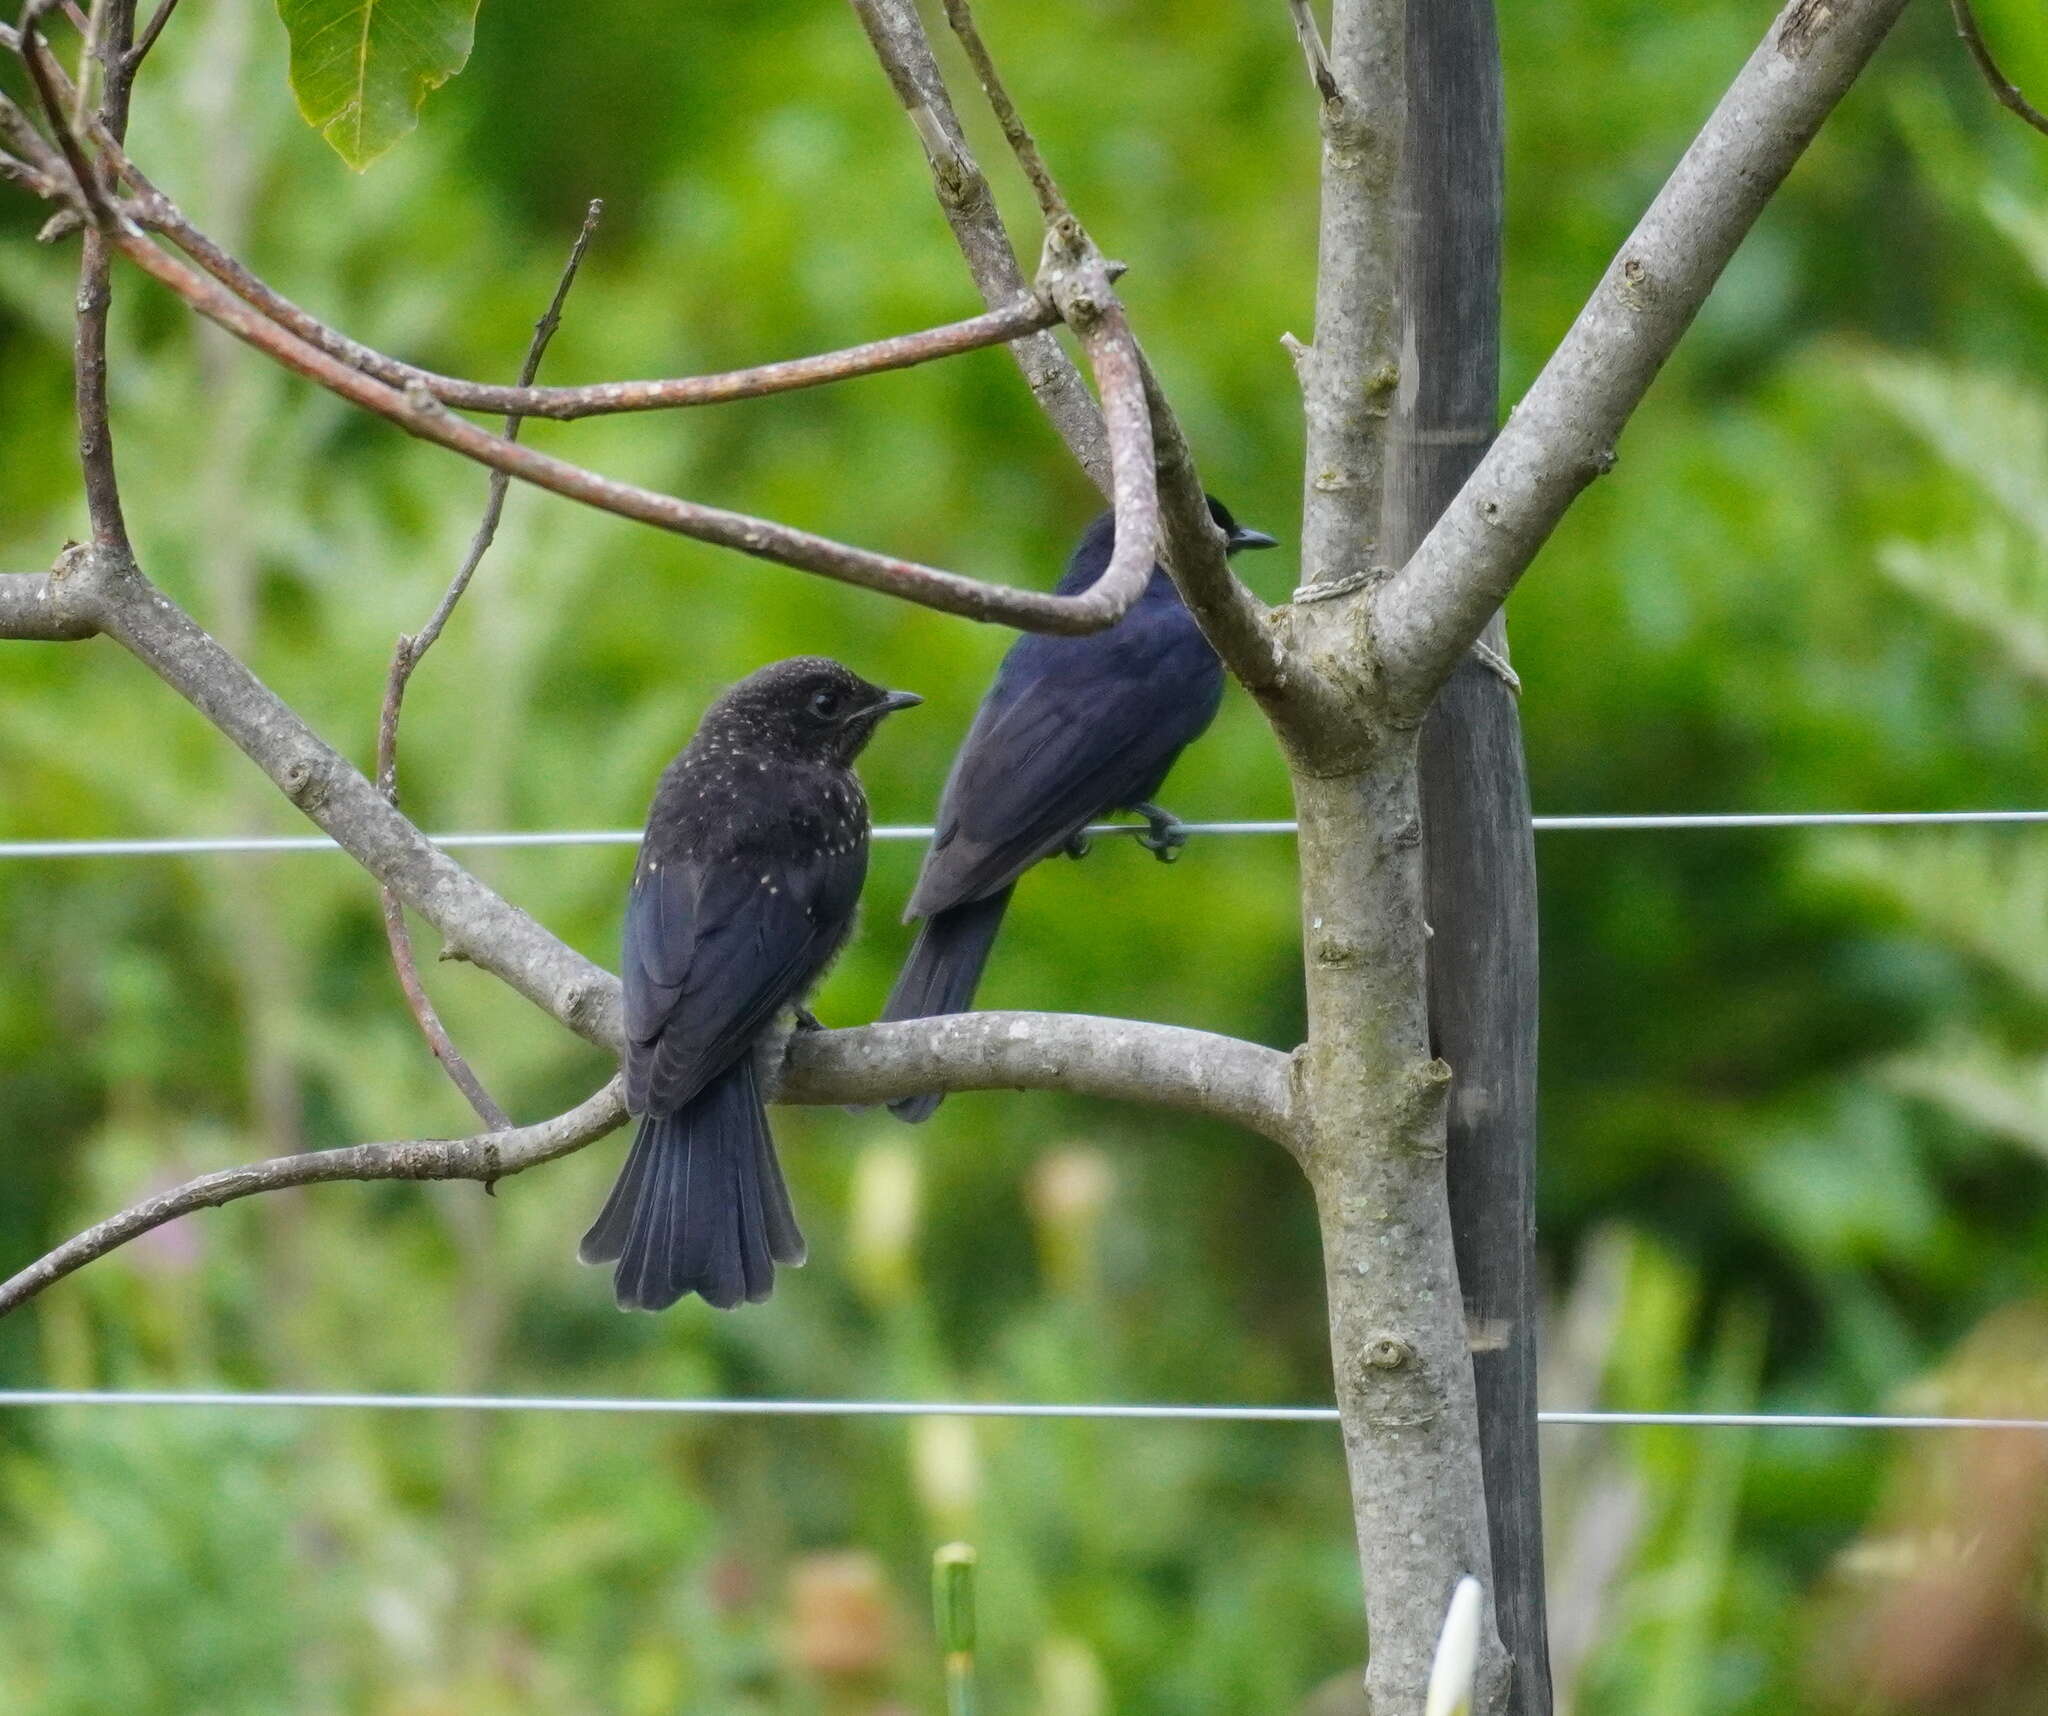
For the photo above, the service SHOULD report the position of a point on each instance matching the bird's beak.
(1243, 538)
(893, 701)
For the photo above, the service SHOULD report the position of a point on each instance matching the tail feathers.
(941, 974)
(700, 1206)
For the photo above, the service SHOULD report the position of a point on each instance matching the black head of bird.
(1235, 535)
(809, 708)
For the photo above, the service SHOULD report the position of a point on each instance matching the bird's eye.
(824, 703)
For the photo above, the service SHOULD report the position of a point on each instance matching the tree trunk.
(1374, 1154)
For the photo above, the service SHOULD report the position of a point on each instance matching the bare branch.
(489, 1157)
(1313, 51)
(1121, 1059)
(1023, 315)
(34, 607)
(2002, 87)
(406, 657)
(147, 40)
(50, 83)
(1353, 368)
(22, 174)
(109, 591)
(906, 56)
(1562, 434)
(1234, 620)
(1127, 1060)
(421, 415)
(1023, 145)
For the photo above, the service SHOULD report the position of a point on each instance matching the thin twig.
(905, 53)
(147, 40)
(1314, 52)
(22, 174)
(489, 1157)
(419, 414)
(88, 52)
(1128, 1060)
(2002, 87)
(1023, 316)
(41, 64)
(1232, 617)
(1023, 145)
(405, 658)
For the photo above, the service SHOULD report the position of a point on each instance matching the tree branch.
(147, 40)
(1234, 620)
(489, 1157)
(423, 416)
(1312, 49)
(35, 607)
(405, 659)
(960, 15)
(1117, 1058)
(1562, 434)
(1351, 371)
(1126, 1060)
(905, 52)
(2006, 91)
(1021, 315)
(110, 592)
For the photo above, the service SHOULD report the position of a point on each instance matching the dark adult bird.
(1072, 728)
(752, 864)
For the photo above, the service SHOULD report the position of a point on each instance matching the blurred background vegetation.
(1796, 1109)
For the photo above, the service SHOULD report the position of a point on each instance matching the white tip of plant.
(1456, 1667)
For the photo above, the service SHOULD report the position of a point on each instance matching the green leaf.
(361, 68)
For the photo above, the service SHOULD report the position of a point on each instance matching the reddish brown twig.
(2002, 87)
(420, 414)
(1014, 321)
(406, 657)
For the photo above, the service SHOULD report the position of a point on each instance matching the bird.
(744, 893)
(1072, 727)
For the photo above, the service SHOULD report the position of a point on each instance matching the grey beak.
(895, 700)
(1243, 538)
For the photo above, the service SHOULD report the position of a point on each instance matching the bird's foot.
(1078, 845)
(806, 1020)
(1165, 834)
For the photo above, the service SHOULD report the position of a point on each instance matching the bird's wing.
(713, 951)
(1065, 734)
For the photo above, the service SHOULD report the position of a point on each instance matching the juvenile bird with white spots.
(749, 874)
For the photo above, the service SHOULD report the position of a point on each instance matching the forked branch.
(1235, 621)
(416, 407)
(420, 414)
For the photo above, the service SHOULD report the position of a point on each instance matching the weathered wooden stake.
(1481, 875)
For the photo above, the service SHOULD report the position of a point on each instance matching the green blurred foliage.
(1746, 1198)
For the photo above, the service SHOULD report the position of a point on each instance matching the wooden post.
(1481, 875)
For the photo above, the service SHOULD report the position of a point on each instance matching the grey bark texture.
(1479, 854)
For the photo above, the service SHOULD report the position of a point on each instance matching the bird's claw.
(1165, 834)
(806, 1020)
(1077, 845)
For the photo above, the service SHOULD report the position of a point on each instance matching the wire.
(27, 1397)
(174, 848)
